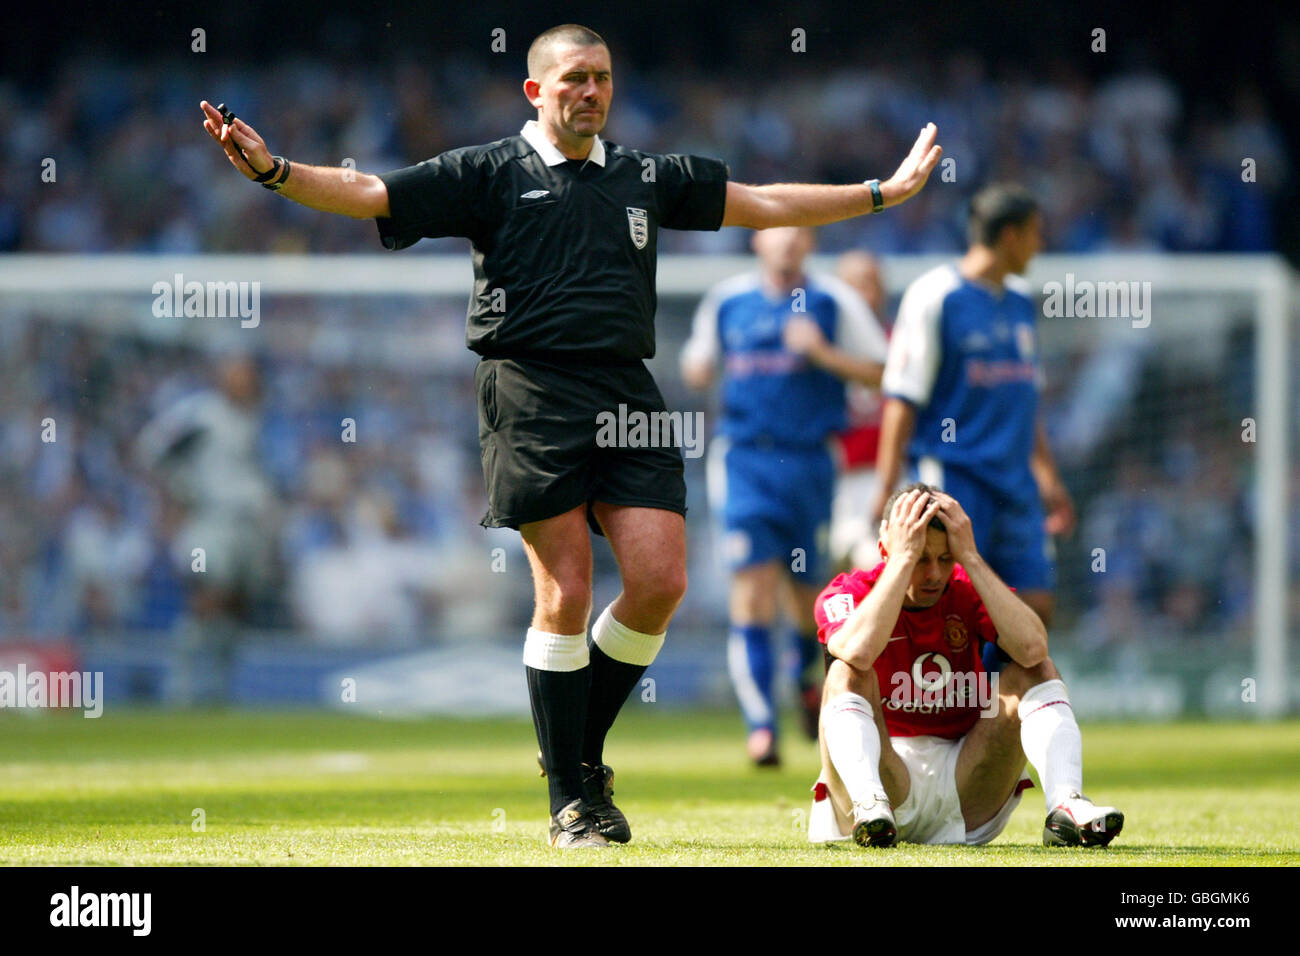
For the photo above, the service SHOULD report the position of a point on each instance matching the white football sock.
(1051, 740)
(544, 651)
(620, 642)
(853, 743)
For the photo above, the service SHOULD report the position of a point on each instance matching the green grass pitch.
(321, 789)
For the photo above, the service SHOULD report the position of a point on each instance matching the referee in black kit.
(563, 227)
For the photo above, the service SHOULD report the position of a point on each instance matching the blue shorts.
(1008, 523)
(775, 504)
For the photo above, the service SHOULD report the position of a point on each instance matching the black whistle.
(228, 117)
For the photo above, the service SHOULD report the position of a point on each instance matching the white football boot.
(1076, 821)
(873, 823)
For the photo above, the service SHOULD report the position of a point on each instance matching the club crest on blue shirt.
(639, 226)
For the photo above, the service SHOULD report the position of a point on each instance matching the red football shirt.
(931, 678)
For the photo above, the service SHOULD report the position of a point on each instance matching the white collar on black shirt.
(550, 153)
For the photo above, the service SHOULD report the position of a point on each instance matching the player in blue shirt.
(788, 342)
(961, 387)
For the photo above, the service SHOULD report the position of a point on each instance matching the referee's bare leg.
(555, 650)
(649, 545)
(576, 691)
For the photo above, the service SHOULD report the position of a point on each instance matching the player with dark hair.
(563, 228)
(961, 386)
(918, 741)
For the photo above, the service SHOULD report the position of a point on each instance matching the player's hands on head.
(915, 169)
(961, 533)
(905, 533)
(243, 135)
(802, 335)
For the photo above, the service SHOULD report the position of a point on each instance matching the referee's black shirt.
(564, 250)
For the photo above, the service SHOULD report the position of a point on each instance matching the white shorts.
(932, 811)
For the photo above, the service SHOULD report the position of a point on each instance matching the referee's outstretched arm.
(798, 204)
(329, 189)
(364, 196)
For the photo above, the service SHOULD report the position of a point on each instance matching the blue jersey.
(770, 394)
(964, 355)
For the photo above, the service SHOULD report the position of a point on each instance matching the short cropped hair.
(996, 207)
(914, 486)
(539, 53)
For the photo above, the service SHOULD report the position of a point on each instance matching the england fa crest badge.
(638, 225)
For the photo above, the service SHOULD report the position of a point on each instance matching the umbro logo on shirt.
(535, 194)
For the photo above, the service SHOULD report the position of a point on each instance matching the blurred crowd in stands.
(120, 455)
(159, 449)
(343, 502)
(1125, 163)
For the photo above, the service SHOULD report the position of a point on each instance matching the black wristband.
(280, 164)
(877, 198)
(270, 174)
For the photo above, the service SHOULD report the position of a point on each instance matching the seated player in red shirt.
(918, 742)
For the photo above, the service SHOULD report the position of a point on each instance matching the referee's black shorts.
(537, 426)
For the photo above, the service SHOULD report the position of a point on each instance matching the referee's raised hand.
(239, 134)
(343, 190)
(914, 170)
